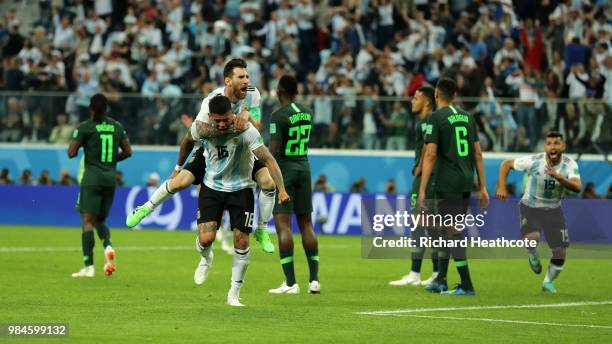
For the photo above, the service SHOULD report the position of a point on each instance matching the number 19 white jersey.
(542, 190)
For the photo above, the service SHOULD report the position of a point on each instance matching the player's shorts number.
(564, 235)
(462, 144)
(248, 222)
(297, 145)
(107, 147)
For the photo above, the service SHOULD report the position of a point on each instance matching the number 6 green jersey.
(100, 142)
(455, 133)
(292, 125)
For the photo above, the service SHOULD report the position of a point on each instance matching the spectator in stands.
(5, 177)
(321, 185)
(62, 132)
(397, 125)
(152, 180)
(589, 191)
(26, 178)
(359, 186)
(36, 131)
(44, 179)
(65, 178)
(390, 188)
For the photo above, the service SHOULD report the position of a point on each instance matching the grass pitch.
(152, 297)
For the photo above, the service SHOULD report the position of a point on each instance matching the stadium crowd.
(523, 67)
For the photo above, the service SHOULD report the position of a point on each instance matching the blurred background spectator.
(321, 185)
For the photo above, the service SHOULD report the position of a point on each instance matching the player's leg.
(108, 194)
(265, 205)
(459, 205)
(225, 235)
(557, 236)
(89, 204)
(241, 206)
(414, 276)
(210, 210)
(193, 173)
(302, 207)
(530, 230)
(282, 223)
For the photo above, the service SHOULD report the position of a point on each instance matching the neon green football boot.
(263, 238)
(134, 218)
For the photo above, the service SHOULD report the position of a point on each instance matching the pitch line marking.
(446, 309)
(500, 320)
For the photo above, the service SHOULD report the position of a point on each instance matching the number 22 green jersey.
(455, 133)
(100, 142)
(292, 125)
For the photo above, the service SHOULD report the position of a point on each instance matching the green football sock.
(464, 273)
(103, 233)
(443, 260)
(313, 264)
(287, 264)
(88, 242)
(434, 260)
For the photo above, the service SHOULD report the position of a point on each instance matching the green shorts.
(296, 174)
(96, 200)
(414, 194)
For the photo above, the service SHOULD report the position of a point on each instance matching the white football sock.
(160, 195)
(203, 250)
(553, 272)
(240, 263)
(265, 204)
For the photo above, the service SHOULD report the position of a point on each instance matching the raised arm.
(263, 154)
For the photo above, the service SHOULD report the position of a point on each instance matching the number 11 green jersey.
(292, 125)
(455, 132)
(100, 142)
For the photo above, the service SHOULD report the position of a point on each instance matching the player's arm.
(263, 154)
(429, 160)
(126, 149)
(501, 191)
(484, 195)
(571, 183)
(75, 143)
(418, 169)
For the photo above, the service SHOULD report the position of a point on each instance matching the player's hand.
(551, 172)
(483, 202)
(421, 202)
(241, 122)
(186, 120)
(417, 171)
(283, 197)
(501, 192)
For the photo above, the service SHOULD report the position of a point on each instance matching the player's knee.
(241, 240)
(207, 233)
(533, 236)
(182, 181)
(265, 181)
(558, 253)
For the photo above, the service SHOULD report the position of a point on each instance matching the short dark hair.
(447, 88)
(288, 84)
(554, 134)
(428, 92)
(219, 105)
(98, 104)
(228, 70)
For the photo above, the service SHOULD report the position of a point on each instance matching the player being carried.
(423, 104)
(549, 175)
(228, 185)
(101, 137)
(290, 128)
(246, 104)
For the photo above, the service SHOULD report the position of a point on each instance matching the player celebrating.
(228, 185)
(549, 175)
(98, 137)
(245, 103)
(452, 146)
(290, 128)
(422, 104)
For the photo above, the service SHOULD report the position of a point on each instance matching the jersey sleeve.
(255, 105)
(432, 133)
(524, 163)
(573, 170)
(253, 138)
(79, 133)
(203, 114)
(276, 127)
(122, 133)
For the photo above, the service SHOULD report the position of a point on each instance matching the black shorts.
(96, 200)
(240, 204)
(452, 203)
(550, 221)
(197, 166)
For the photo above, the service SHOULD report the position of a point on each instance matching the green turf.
(152, 297)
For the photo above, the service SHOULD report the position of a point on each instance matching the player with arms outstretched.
(246, 104)
(228, 184)
(549, 175)
(422, 104)
(452, 146)
(101, 137)
(290, 128)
